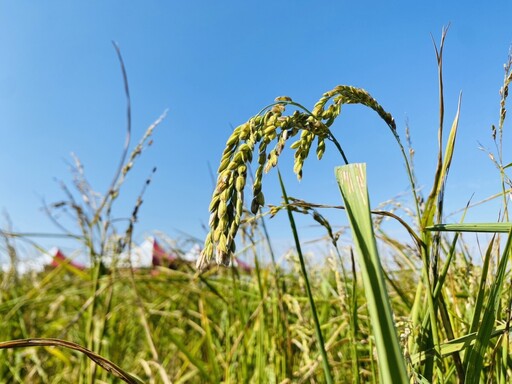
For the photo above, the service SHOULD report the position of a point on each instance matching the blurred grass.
(199, 336)
(226, 325)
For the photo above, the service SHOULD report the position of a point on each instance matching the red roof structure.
(161, 258)
(59, 259)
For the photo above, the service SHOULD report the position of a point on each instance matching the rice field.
(426, 314)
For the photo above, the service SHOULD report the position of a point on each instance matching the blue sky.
(214, 64)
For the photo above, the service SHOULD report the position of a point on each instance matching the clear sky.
(214, 64)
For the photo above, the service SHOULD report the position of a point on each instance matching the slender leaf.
(472, 227)
(352, 182)
(456, 345)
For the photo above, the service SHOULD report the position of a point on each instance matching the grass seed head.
(226, 206)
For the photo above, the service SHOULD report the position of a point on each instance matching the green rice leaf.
(352, 182)
(455, 345)
(441, 174)
(472, 227)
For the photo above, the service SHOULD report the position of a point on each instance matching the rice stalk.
(318, 331)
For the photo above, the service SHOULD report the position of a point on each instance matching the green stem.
(325, 362)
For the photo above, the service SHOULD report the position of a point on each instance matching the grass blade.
(441, 174)
(455, 345)
(472, 227)
(352, 182)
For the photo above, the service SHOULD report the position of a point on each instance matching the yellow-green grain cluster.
(255, 136)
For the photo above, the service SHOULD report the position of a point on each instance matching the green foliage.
(352, 181)
(223, 327)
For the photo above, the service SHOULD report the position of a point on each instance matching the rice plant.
(376, 309)
(430, 319)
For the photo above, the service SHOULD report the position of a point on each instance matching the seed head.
(226, 206)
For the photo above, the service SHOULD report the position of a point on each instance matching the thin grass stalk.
(304, 205)
(480, 202)
(318, 331)
(111, 189)
(352, 183)
(348, 298)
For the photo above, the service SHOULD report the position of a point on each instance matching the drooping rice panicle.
(258, 133)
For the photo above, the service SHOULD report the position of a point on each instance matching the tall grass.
(434, 316)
